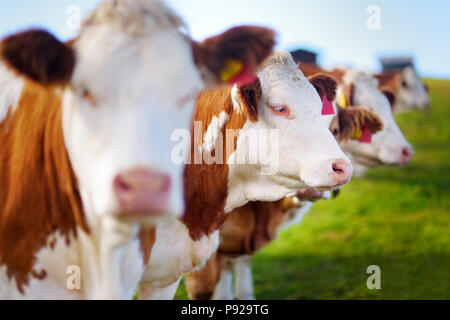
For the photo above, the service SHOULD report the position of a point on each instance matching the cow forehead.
(122, 64)
(283, 82)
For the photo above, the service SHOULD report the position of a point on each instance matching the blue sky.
(337, 29)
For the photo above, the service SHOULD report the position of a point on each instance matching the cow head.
(129, 80)
(412, 91)
(285, 101)
(388, 146)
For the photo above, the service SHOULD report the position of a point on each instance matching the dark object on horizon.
(304, 56)
(396, 63)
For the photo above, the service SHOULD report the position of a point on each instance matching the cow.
(411, 92)
(279, 99)
(251, 227)
(85, 129)
(389, 147)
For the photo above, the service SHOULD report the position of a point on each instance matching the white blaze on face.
(306, 148)
(11, 87)
(412, 93)
(129, 93)
(388, 144)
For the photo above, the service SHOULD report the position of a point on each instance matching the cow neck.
(39, 194)
(205, 185)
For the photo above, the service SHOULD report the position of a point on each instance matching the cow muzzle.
(142, 193)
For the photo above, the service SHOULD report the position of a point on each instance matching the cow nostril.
(337, 169)
(121, 185)
(405, 152)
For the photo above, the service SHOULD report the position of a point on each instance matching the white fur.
(11, 87)
(174, 253)
(243, 284)
(387, 144)
(56, 261)
(213, 130)
(148, 292)
(224, 287)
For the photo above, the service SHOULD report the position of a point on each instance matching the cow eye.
(335, 132)
(281, 110)
(87, 95)
(404, 84)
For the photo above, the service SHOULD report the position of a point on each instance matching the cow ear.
(39, 55)
(325, 85)
(233, 56)
(246, 98)
(353, 121)
(389, 95)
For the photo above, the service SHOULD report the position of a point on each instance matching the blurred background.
(396, 218)
(335, 29)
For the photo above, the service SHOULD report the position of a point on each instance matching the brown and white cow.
(409, 89)
(249, 228)
(86, 150)
(280, 99)
(388, 147)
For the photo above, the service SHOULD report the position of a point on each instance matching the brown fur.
(353, 119)
(389, 95)
(40, 56)
(206, 185)
(250, 95)
(250, 45)
(310, 69)
(200, 284)
(245, 231)
(325, 85)
(39, 193)
(147, 238)
(390, 79)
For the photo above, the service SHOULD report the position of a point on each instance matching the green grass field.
(396, 218)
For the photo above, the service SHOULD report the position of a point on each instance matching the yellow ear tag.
(357, 134)
(232, 68)
(342, 100)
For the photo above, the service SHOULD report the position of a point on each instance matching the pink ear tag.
(327, 107)
(366, 136)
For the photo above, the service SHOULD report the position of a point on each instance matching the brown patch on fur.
(251, 227)
(248, 44)
(250, 95)
(337, 74)
(310, 69)
(147, 238)
(325, 85)
(354, 119)
(39, 55)
(39, 192)
(334, 127)
(389, 95)
(200, 284)
(349, 92)
(205, 185)
(391, 80)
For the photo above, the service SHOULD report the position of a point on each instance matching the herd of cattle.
(87, 170)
